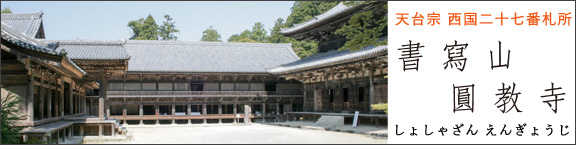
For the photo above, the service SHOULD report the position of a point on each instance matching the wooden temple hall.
(96, 87)
(338, 82)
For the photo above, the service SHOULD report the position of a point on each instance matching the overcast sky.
(106, 20)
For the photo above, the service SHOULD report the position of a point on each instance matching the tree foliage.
(147, 29)
(210, 35)
(306, 10)
(275, 35)
(365, 28)
(244, 36)
(258, 34)
(6, 10)
(9, 116)
(168, 28)
(301, 11)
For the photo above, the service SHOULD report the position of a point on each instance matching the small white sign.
(355, 119)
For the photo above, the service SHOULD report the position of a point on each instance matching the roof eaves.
(335, 11)
(18, 38)
(284, 69)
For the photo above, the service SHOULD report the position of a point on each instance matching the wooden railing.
(202, 93)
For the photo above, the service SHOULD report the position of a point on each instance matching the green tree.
(210, 35)
(365, 28)
(6, 10)
(144, 29)
(246, 34)
(136, 26)
(275, 35)
(9, 116)
(258, 32)
(247, 40)
(306, 10)
(304, 48)
(147, 29)
(167, 29)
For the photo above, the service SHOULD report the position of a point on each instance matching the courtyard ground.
(232, 134)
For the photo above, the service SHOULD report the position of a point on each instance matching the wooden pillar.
(141, 113)
(89, 112)
(204, 111)
(56, 110)
(57, 137)
(61, 100)
(263, 112)
(305, 97)
(64, 135)
(246, 114)
(49, 98)
(157, 114)
(113, 132)
(219, 113)
(30, 97)
(290, 110)
(235, 111)
(81, 130)
(82, 102)
(107, 110)
(277, 111)
(371, 100)
(173, 113)
(100, 129)
(189, 113)
(125, 112)
(42, 97)
(103, 93)
(71, 132)
(71, 97)
(76, 101)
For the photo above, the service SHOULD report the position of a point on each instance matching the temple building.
(96, 87)
(50, 85)
(338, 82)
(167, 82)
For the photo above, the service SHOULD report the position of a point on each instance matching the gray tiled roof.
(29, 24)
(19, 38)
(335, 11)
(93, 49)
(181, 56)
(329, 58)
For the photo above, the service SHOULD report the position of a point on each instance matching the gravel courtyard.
(252, 134)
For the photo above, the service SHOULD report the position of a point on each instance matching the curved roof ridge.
(336, 10)
(29, 24)
(89, 42)
(163, 42)
(11, 16)
(19, 38)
